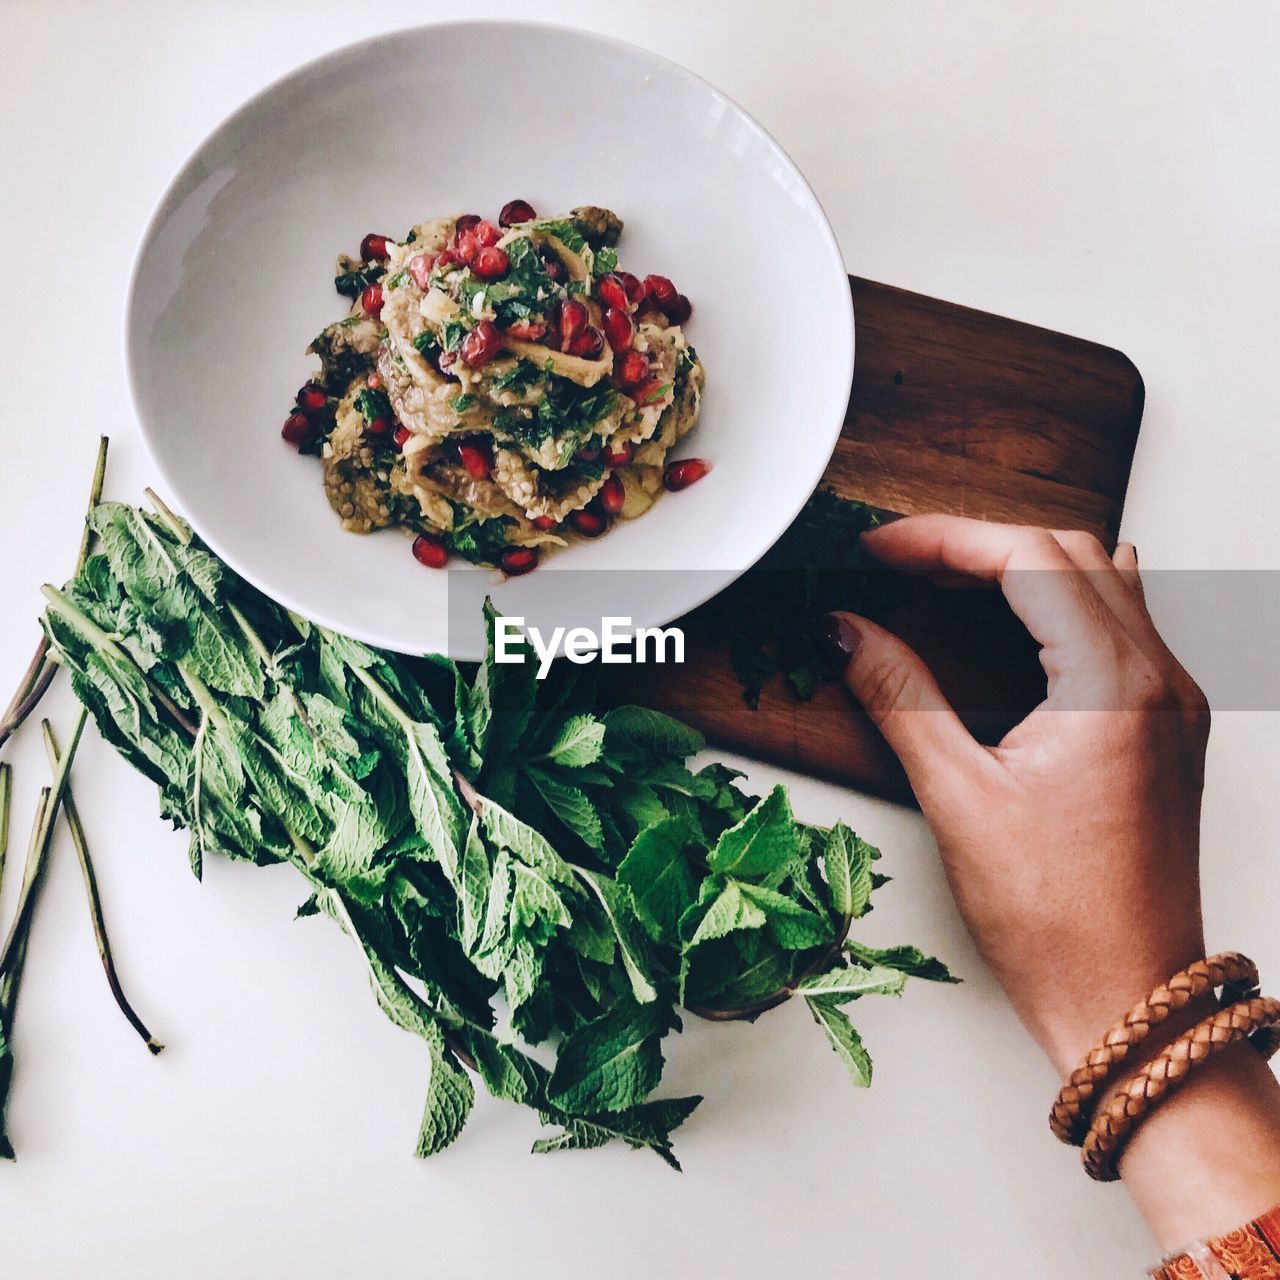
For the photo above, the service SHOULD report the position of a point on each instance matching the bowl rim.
(719, 579)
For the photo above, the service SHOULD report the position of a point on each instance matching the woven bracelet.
(1236, 974)
(1114, 1124)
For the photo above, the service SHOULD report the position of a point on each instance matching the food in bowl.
(499, 388)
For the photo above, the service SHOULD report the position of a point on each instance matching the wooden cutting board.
(951, 410)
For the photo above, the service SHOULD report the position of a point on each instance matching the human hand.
(1072, 847)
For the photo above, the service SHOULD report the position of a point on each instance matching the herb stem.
(31, 873)
(89, 876)
(40, 670)
(35, 868)
(95, 496)
(6, 798)
(393, 708)
(170, 521)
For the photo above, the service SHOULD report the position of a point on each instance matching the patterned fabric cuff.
(1250, 1253)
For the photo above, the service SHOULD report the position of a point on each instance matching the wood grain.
(951, 410)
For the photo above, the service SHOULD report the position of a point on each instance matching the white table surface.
(1106, 170)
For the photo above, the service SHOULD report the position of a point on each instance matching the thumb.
(900, 695)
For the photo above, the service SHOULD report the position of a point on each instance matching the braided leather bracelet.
(1162, 1075)
(1236, 974)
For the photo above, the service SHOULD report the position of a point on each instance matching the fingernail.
(840, 638)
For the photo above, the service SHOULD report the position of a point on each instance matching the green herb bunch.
(517, 869)
(770, 616)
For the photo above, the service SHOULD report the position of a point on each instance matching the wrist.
(1208, 1158)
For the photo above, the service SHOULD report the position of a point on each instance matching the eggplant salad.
(499, 388)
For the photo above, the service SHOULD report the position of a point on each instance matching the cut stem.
(95, 496)
(88, 875)
(175, 526)
(6, 798)
(31, 873)
(35, 867)
(40, 670)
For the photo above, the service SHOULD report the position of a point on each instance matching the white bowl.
(234, 278)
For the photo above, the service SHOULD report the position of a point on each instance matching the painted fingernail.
(840, 638)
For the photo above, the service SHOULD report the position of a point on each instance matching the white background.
(1106, 170)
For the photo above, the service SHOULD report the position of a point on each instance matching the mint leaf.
(657, 871)
(620, 910)
(649, 1125)
(579, 742)
(794, 927)
(652, 734)
(848, 983)
(473, 884)
(450, 1096)
(571, 805)
(351, 284)
(765, 840)
(730, 911)
(908, 960)
(611, 1063)
(530, 846)
(847, 861)
(846, 1042)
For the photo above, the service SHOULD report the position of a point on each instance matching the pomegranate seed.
(518, 560)
(430, 551)
(371, 300)
(544, 523)
(619, 328)
(588, 453)
(401, 437)
(444, 260)
(619, 457)
(481, 344)
(527, 330)
(635, 290)
(555, 268)
(588, 344)
(680, 310)
(680, 475)
(373, 248)
(297, 430)
(486, 234)
(467, 247)
(490, 263)
(613, 292)
(515, 211)
(573, 319)
(591, 524)
(612, 495)
(374, 382)
(477, 459)
(420, 269)
(465, 223)
(647, 393)
(378, 428)
(660, 291)
(312, 398)
(632, 369)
